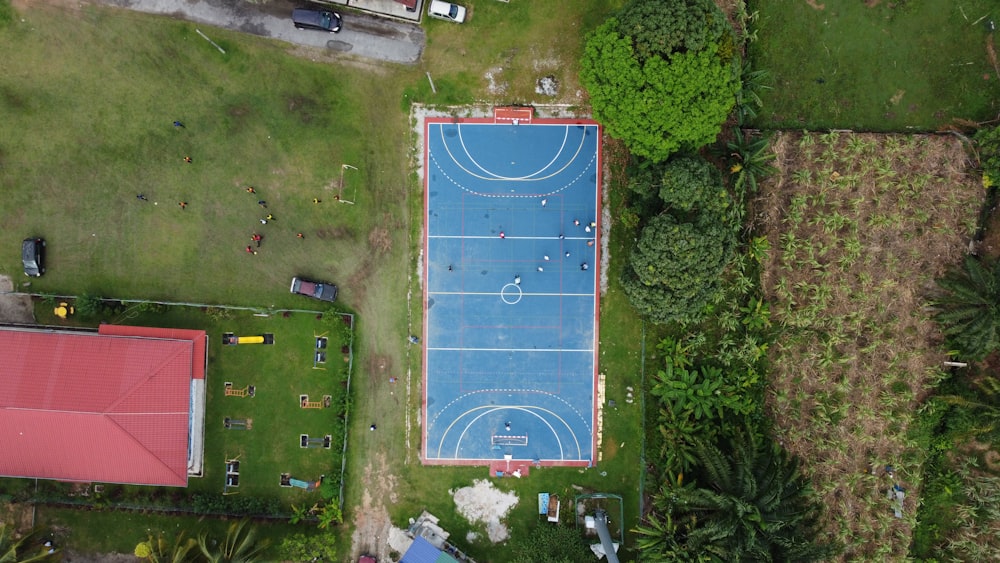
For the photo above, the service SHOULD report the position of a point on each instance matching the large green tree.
(748, 502)
(676, 265)
(968, 307)
(662, 75)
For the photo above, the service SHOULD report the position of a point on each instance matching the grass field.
(90, 95)
(859, 226)
(280, 373)
(875, 65)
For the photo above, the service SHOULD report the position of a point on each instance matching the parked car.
(316, 290)
(367, 559)
(446, 11)
(33, 256)
(322, 20)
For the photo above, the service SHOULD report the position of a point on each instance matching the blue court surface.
(510, 290)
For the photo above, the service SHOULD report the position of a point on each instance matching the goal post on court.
(509, 440)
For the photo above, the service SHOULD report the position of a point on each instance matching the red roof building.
(122, 405)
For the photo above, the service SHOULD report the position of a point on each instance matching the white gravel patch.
(484, 503)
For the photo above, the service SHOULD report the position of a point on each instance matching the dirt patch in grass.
(379, 368)
(14, 308)
(483, 503)
(859, 226)
(371, 521)
(380, 239)
(335, 233)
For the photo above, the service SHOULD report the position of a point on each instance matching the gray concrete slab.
(390, 8)
(363, 35)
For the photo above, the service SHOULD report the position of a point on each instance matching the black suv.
(323, 20)
(33, 256)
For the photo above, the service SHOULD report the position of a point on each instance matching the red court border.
(504, 115)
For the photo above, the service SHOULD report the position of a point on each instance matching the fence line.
(175, 303)
(256, 311)
(642, 399)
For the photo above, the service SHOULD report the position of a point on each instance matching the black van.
(33, 256)
(322, 20)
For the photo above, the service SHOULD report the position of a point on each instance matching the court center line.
(496, 293)
(510, 350)
(506, 237)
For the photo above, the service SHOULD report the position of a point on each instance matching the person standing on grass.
(178, 124)
(141, 197)
(262, 203)
(269, 217)
(250, 190)
(188, 159)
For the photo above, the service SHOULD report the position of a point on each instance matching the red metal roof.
(95, 407)
(195, 336)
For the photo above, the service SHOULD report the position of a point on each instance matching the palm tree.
(158, 550)
(748, 504)
(968, 307)
(20, 550)
(239, 546)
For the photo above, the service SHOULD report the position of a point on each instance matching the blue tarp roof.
(421, 551)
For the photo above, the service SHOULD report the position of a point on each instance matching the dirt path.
(371, 519)
(14, 308)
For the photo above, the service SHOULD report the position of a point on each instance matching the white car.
(446, 11)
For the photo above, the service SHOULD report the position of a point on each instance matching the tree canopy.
(661, 76)
(675, 267)
(659, 28)
(968, 307)
(748, 502)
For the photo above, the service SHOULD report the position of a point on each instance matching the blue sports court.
(511, 270)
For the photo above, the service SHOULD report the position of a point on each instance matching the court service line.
(496, 178)
(458, 442)
(548, 394)
(462, 187)
(479, 166)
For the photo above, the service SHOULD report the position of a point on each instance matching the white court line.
(535, 173)
(505, 237)
(591, 351)
(529, 178)
(493, 293)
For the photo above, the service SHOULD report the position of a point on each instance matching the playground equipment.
(306, 442)
(305, 403)
(63, 310)
(248, 391)
(320, 356)
(238, 423)
(288, 481)
(230, 339)
(549, 505)
(232, 475)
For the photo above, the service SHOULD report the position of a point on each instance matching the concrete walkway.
(363, 35)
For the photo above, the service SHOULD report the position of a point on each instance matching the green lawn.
(89, 97)
(89, 100)
(894, 66)
(280, 373)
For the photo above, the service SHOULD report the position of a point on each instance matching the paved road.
(362, 36)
